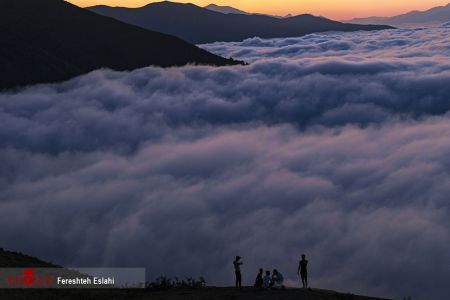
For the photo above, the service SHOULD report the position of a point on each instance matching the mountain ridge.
(433, 16)
(199, 25)
(233, 10)
(225, 9)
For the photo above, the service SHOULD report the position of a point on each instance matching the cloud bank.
(333, 145)
(392, 45)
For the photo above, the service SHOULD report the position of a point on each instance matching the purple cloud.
(333, 150)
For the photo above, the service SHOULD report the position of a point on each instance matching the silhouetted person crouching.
(267, 280)
(237, 271)
(259, 279)
(277, 280)
(303, 270)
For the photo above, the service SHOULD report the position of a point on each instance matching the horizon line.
(195, 2)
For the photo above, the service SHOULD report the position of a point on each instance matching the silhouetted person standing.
(237, 271)
(303, 271)
(259, 279)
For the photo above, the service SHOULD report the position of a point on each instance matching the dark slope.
(10, 259)
(208, 293)
(52, 40)
(199, 25)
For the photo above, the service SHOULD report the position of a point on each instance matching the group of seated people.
(274, 281)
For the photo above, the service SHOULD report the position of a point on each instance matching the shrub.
(163, 282)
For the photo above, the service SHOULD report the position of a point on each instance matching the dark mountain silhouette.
(225, 9)
(434, 16)
(199, 25)
(52, 40)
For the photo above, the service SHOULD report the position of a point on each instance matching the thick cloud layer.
(113, 110)
(339, 152)
(393, 45)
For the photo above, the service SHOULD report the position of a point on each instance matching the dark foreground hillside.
(208, 293)
(9, 259)
(53, 40)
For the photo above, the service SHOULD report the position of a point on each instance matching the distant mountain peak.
(431, 17)
(225, 9)
(168, 3)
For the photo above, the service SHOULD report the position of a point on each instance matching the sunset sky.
(330, 8)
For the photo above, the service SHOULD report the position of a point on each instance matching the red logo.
(29, 279)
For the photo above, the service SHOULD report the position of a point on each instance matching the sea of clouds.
(336, 145)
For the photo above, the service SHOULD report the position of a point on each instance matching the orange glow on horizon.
(338, 10)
